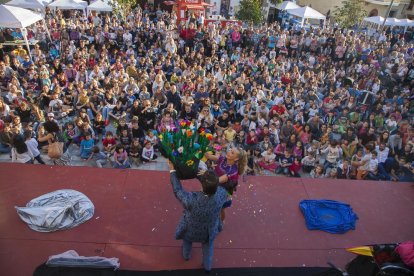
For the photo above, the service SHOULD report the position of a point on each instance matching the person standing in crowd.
(201, 219)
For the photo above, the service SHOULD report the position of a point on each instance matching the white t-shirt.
(32, 146)
(373, 165)
(268, 157)
(54, 103)
(366, 158)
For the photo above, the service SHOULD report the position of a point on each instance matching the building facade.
(372, 7)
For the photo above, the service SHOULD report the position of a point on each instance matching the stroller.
(376, 260)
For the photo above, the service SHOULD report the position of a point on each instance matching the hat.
(50, 114)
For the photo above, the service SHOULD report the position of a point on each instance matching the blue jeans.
(284, 170)
(90, 114)
(207, 249)
(5, 148)
(105, 112)
(125, 166)
(384, 168)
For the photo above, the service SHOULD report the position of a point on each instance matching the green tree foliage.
(350, 13)
(250, 10)
(127, 3)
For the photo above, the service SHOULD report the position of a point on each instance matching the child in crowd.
(363, 166)
(148, 153)
(32, 146)
(308, 162)
(135, 151)
(125, 139)
(152, 138)
(285, 161)
(355, 161)
(318, 172)
(230, 134)
(267, 161)
(121, 126)
(298, 150)
(109, 143)
(86, 146)
(252, 140)
(295, 167)
(373, 167)
(99, 126)
(280, 149)
(98, 156)
(121, 158)
(69, 133)
(137, 131)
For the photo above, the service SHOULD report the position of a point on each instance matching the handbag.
(55, 150)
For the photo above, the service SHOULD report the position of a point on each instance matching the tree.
(250, 10)
(123, 7)
(350, 13)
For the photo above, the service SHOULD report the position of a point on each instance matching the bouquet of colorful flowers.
(185, 145)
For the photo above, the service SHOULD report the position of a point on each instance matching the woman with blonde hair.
(228, 168)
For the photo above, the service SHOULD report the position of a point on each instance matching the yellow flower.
(190, 163)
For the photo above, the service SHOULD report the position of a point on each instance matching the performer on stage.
(201, 218)
(228, 168)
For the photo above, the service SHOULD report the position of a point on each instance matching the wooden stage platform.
(136, 215)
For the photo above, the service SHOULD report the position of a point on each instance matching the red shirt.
(106, 142)
(286, 80)
(277, 109)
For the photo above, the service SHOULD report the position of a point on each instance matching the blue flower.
(196, 146)
(175, 153)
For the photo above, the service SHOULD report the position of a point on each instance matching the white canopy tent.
(378, 20)
(100, 6)
(406, 23)
(30, 4)
(306, 13)
(19, 18)
(69, 5)
(392, 22)
(287, 5)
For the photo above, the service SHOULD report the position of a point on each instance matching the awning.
(169, 3)
(195, 7)
(383, 3)
(207, 4)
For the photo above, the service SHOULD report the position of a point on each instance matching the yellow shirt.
(230, 134)
(22, 52)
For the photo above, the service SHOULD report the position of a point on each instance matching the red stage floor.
(136, 214)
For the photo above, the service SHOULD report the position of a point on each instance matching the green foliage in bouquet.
(185, 144)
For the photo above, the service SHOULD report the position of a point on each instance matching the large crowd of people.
(327, 102)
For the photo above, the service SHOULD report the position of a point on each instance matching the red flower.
(188, 123)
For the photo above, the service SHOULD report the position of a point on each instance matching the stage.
(136, 214)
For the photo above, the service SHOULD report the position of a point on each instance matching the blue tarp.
(328, 215)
